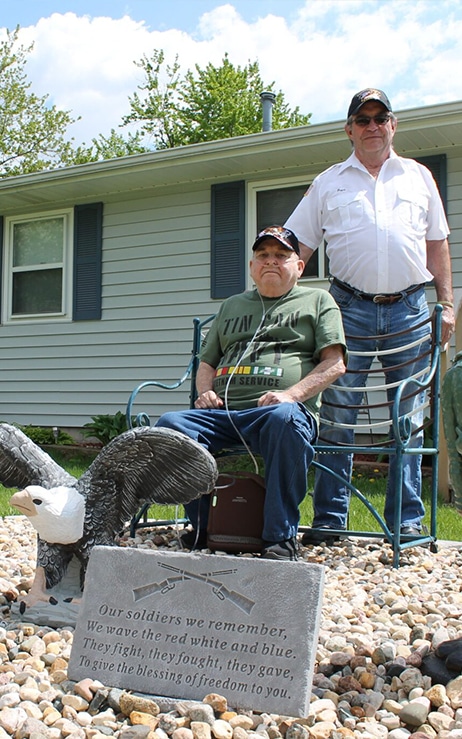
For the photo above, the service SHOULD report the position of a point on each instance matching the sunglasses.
(363, 120)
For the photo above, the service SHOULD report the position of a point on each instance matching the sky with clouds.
(318, 52)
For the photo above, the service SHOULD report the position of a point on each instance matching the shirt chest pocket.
(345, 210)
(411, 207)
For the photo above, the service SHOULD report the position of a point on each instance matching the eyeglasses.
(363, 120)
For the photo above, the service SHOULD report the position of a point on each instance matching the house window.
(52, 265)
(275, 206)
(38, 255)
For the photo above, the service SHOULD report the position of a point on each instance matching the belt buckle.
(380, 299)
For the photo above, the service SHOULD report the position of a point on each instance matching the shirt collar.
(354, 162)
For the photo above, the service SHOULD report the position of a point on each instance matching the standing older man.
(386, 233)
(267, 357)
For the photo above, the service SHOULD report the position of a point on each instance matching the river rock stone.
(415, 713)
(201, 729)
(375, 687)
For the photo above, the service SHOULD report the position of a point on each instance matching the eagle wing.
(23, 463)
(144, 464)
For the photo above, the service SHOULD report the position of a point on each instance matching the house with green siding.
(105, 265)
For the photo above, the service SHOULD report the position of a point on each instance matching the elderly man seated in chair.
(267, 357)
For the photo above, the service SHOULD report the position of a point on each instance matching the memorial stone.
(185, 625)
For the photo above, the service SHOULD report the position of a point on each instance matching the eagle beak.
(23, 502)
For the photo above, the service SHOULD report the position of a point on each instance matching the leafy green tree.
(32, 131)
(108, 147)
(205, 104)
(157, 110)
(173, 110)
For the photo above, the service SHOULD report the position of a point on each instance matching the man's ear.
(348, 130)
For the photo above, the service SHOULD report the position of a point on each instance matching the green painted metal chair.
(368, 434)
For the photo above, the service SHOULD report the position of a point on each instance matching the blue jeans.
(364, 318)
(282, 434)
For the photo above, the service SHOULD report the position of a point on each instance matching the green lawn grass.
(369, 480)
(373, 486)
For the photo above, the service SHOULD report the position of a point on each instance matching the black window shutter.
(436, 163)
(88, 221)
(227, 239)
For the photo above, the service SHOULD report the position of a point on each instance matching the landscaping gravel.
(377, 675)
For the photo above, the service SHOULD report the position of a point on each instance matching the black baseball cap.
(370, 93)
(285, 236)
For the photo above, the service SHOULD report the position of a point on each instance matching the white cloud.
(87, 66)
(331, 49)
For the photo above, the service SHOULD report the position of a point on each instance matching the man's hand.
(448, 324)
(272, 398)
(439, 264)
(208, 399)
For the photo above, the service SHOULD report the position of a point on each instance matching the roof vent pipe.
(267, 101)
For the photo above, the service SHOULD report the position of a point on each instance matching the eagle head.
(56, 514)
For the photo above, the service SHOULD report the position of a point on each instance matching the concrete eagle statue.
(71, 516)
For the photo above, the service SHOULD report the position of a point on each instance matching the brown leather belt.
(385, 299)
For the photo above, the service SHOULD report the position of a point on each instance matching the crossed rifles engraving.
(218, 588)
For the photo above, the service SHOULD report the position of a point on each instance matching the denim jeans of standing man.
(363, 317)
(282, 434)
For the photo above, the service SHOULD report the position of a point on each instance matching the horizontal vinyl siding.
(66, 388)
(169, 256)
(156, 278)
(455, 221)
(156, 267)
(454, 214)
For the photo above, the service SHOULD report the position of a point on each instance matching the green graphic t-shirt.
(261, 344)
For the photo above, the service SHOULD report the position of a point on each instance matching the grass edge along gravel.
(370, 479)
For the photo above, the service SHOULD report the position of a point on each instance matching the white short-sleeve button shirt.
(376, 230)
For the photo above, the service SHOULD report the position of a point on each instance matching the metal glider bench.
(384, 419)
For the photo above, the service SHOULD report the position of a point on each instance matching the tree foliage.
(170, 110)
(32, 131)
(109, 147)
(204, 104)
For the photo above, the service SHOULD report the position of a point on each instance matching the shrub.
(45, 436)
(105, 427)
